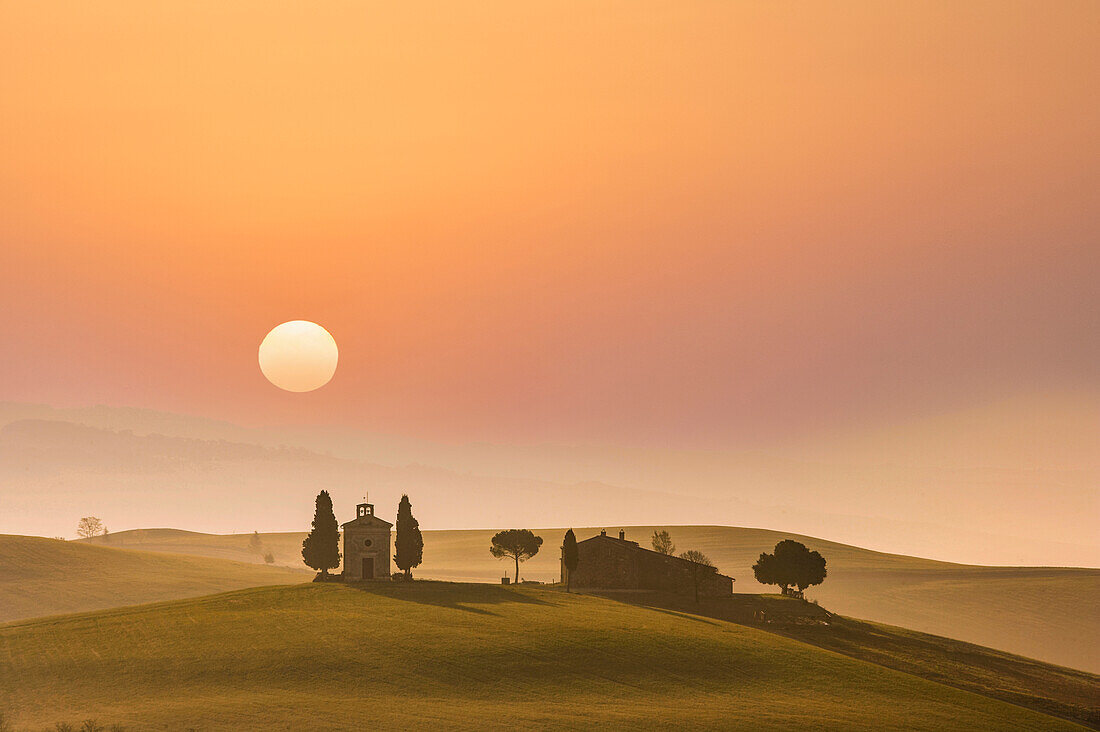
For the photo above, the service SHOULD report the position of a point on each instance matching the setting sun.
(298, 356)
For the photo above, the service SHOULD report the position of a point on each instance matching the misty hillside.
(49, 577)
(1005, 483)
(57, 468)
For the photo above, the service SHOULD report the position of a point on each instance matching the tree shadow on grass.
(655, 601)
(463, 596)
(676, 613)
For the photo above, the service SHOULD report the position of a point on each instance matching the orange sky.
(695, 223)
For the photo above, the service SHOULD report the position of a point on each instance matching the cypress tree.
(321, 549)
(569, 557)
(409, 545)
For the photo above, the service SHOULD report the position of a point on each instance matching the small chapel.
(366, 545)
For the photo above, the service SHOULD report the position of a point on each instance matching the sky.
(695, 225)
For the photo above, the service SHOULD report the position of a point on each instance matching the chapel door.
(368, 567)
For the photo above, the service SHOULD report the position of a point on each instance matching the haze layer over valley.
(1007, 483)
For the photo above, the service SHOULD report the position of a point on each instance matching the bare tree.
(90, 526)
(698, 559)
(662, 542)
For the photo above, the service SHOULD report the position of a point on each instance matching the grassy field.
(1043, 687)
(47, 577)
(1046, 613)
(454, 656)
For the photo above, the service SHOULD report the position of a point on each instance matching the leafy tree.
(255, 542)
(697, 559)
(767, 571)
(409, 544)
(518, 544)
(809, 568)
(269, 558)
(90, 526)
(321, 548)
(791, 563)
(569, 557)
(662, 542)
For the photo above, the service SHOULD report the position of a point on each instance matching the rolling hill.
(455, 656)
(1040, 612)
(48, 577)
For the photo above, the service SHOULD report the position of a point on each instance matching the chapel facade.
(366, 546)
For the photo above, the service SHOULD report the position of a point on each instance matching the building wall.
(355, 548)
(608, 563)
(672, 574)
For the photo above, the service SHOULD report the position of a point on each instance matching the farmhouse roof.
(635, 547)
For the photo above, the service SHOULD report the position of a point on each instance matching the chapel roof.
(367, 520)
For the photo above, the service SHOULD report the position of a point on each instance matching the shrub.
(269, 557)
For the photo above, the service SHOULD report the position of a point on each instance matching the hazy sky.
(701, 224)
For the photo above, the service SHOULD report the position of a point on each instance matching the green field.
(1046, 613)
(48, 576)
(396, 656)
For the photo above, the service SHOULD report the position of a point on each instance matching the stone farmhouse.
(366, 545)
(605, 562)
